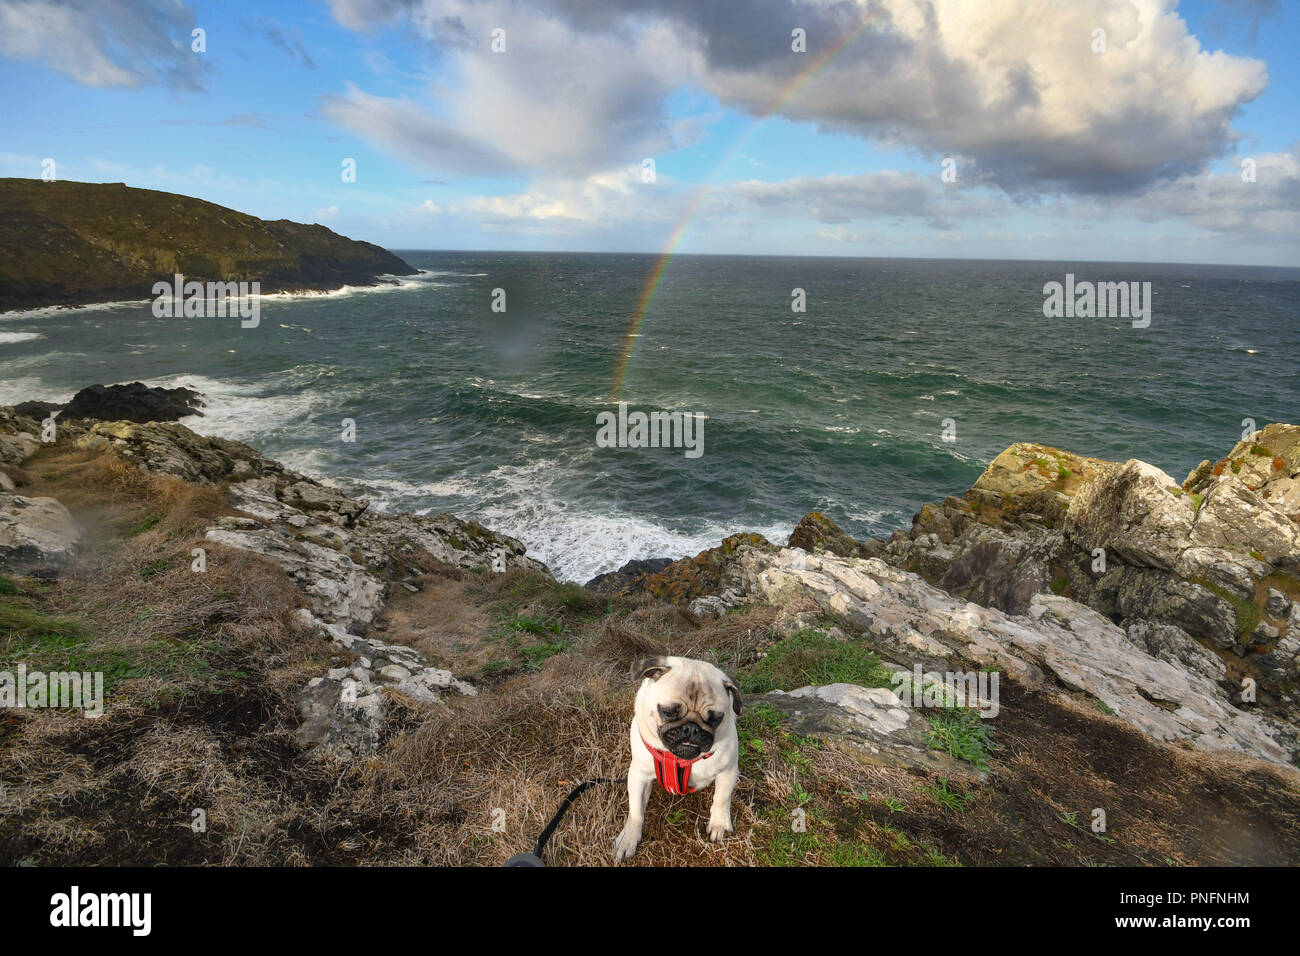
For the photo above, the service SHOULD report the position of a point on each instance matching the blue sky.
(1061, 151)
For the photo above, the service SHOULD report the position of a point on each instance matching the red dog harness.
(672, 772)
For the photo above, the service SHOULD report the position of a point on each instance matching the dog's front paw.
(626, 842)
(719, 828)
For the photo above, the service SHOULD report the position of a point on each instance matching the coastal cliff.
(70, 243)
(275, 646)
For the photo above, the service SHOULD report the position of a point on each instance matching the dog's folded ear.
(734, 691)
(652, 667)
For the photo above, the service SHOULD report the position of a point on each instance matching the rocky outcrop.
(19, 437)
(1167, 602)
(289, 507)
(869, 723)
(172, 449)
(336, 587)
(816, 533)
(1128, 540)
(1056, 643)
(1035, 482)
(342, 712)
(38, 536)
(681, 582)
(135, 402)
(994, 567)
(344, 558)
(629, 577)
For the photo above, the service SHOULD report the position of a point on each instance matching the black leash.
(535, 858)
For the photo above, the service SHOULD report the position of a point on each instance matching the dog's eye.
(714, 718)
(670, 713)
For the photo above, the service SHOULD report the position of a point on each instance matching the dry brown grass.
(514, 758)
(440, 622)
(202, 672)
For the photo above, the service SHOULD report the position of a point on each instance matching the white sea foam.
(15, 390)
(524, 501)
(577, 546)
(385, 283)
(48, 310)
(242, 411)
(7, 338)
(874, 517)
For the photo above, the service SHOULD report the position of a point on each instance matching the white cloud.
(1040, 124)
(1014, 88)
(600, 200)
(407, 129)
(557, 102)
(105, 42)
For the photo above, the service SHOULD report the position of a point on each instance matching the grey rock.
(1237, 519)
(870, 724)
(710, 605)
(1080, 648)
(1149, 594)
(335, 723)
(998, 569)
(336, 587)
(1234, 572)
(343, 712)
(1264, 633)
(16, 448)
(1137, 513)
(1277, 604)
(1169, 643)
(37, 536)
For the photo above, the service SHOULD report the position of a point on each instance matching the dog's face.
(685, 703)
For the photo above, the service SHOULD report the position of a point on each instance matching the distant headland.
(69, 243)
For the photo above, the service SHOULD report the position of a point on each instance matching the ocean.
(845, 408)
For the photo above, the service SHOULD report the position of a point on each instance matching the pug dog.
(683, 734)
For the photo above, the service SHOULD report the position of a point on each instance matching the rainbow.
(783, 96)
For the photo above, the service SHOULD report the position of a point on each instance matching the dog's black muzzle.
(686, 740)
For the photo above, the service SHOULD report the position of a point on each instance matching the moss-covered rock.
(1036, 478)
(816, 533)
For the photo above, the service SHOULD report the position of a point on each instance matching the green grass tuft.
(814, 657)
(962, 733)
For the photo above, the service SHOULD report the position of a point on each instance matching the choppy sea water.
(840, 408)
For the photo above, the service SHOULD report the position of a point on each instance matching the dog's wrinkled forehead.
(697, 686)
(695, 692)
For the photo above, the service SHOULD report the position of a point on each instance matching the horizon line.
(805, 255)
